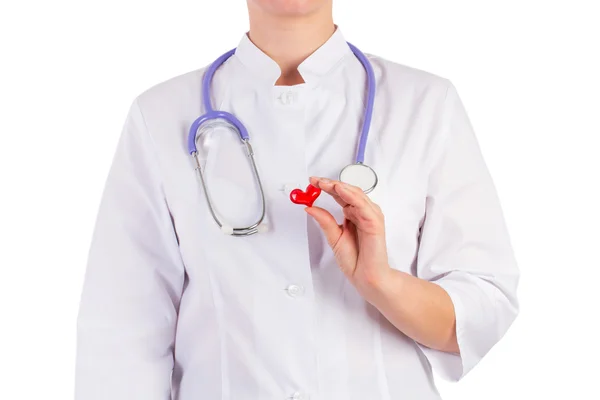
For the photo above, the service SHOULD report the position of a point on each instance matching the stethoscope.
(358, 174)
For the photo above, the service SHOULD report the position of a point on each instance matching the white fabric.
(173, 307)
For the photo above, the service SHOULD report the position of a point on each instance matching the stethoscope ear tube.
(211, 116)
(226, 229)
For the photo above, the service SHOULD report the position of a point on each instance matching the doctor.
(360, 296)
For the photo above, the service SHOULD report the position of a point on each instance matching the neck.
(290, 40)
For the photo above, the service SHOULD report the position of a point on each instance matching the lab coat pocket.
(229, 176)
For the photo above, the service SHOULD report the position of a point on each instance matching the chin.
(290, 7)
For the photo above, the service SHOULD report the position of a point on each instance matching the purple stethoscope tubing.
(211, 114)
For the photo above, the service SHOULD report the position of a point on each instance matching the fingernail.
(325, 180)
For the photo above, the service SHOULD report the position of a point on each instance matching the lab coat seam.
(225, 387)
(384, 385)
(442, 141)
(158, 171)
(225, 390)
(342, 60)
(157, 168)
(153, 146)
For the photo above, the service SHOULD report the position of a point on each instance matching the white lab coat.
(173, 307)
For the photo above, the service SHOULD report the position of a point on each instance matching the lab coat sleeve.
(464, 245)
(133, 281)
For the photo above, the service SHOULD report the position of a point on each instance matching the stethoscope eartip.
(263, 228)
(227, 230)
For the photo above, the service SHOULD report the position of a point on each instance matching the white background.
(528, 73)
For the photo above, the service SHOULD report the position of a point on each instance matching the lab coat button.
(295, 290)
(288, 187)
(297, 396)
(287, 98)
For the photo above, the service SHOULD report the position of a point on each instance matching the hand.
(359, 243)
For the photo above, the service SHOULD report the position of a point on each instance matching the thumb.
(327, 223)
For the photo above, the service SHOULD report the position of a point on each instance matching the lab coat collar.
(317, 65)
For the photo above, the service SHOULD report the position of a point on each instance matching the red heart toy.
(307, 197)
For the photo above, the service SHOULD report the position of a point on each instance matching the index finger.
(348, 194)
(327, 186)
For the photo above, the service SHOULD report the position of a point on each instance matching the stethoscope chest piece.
(359, 175)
